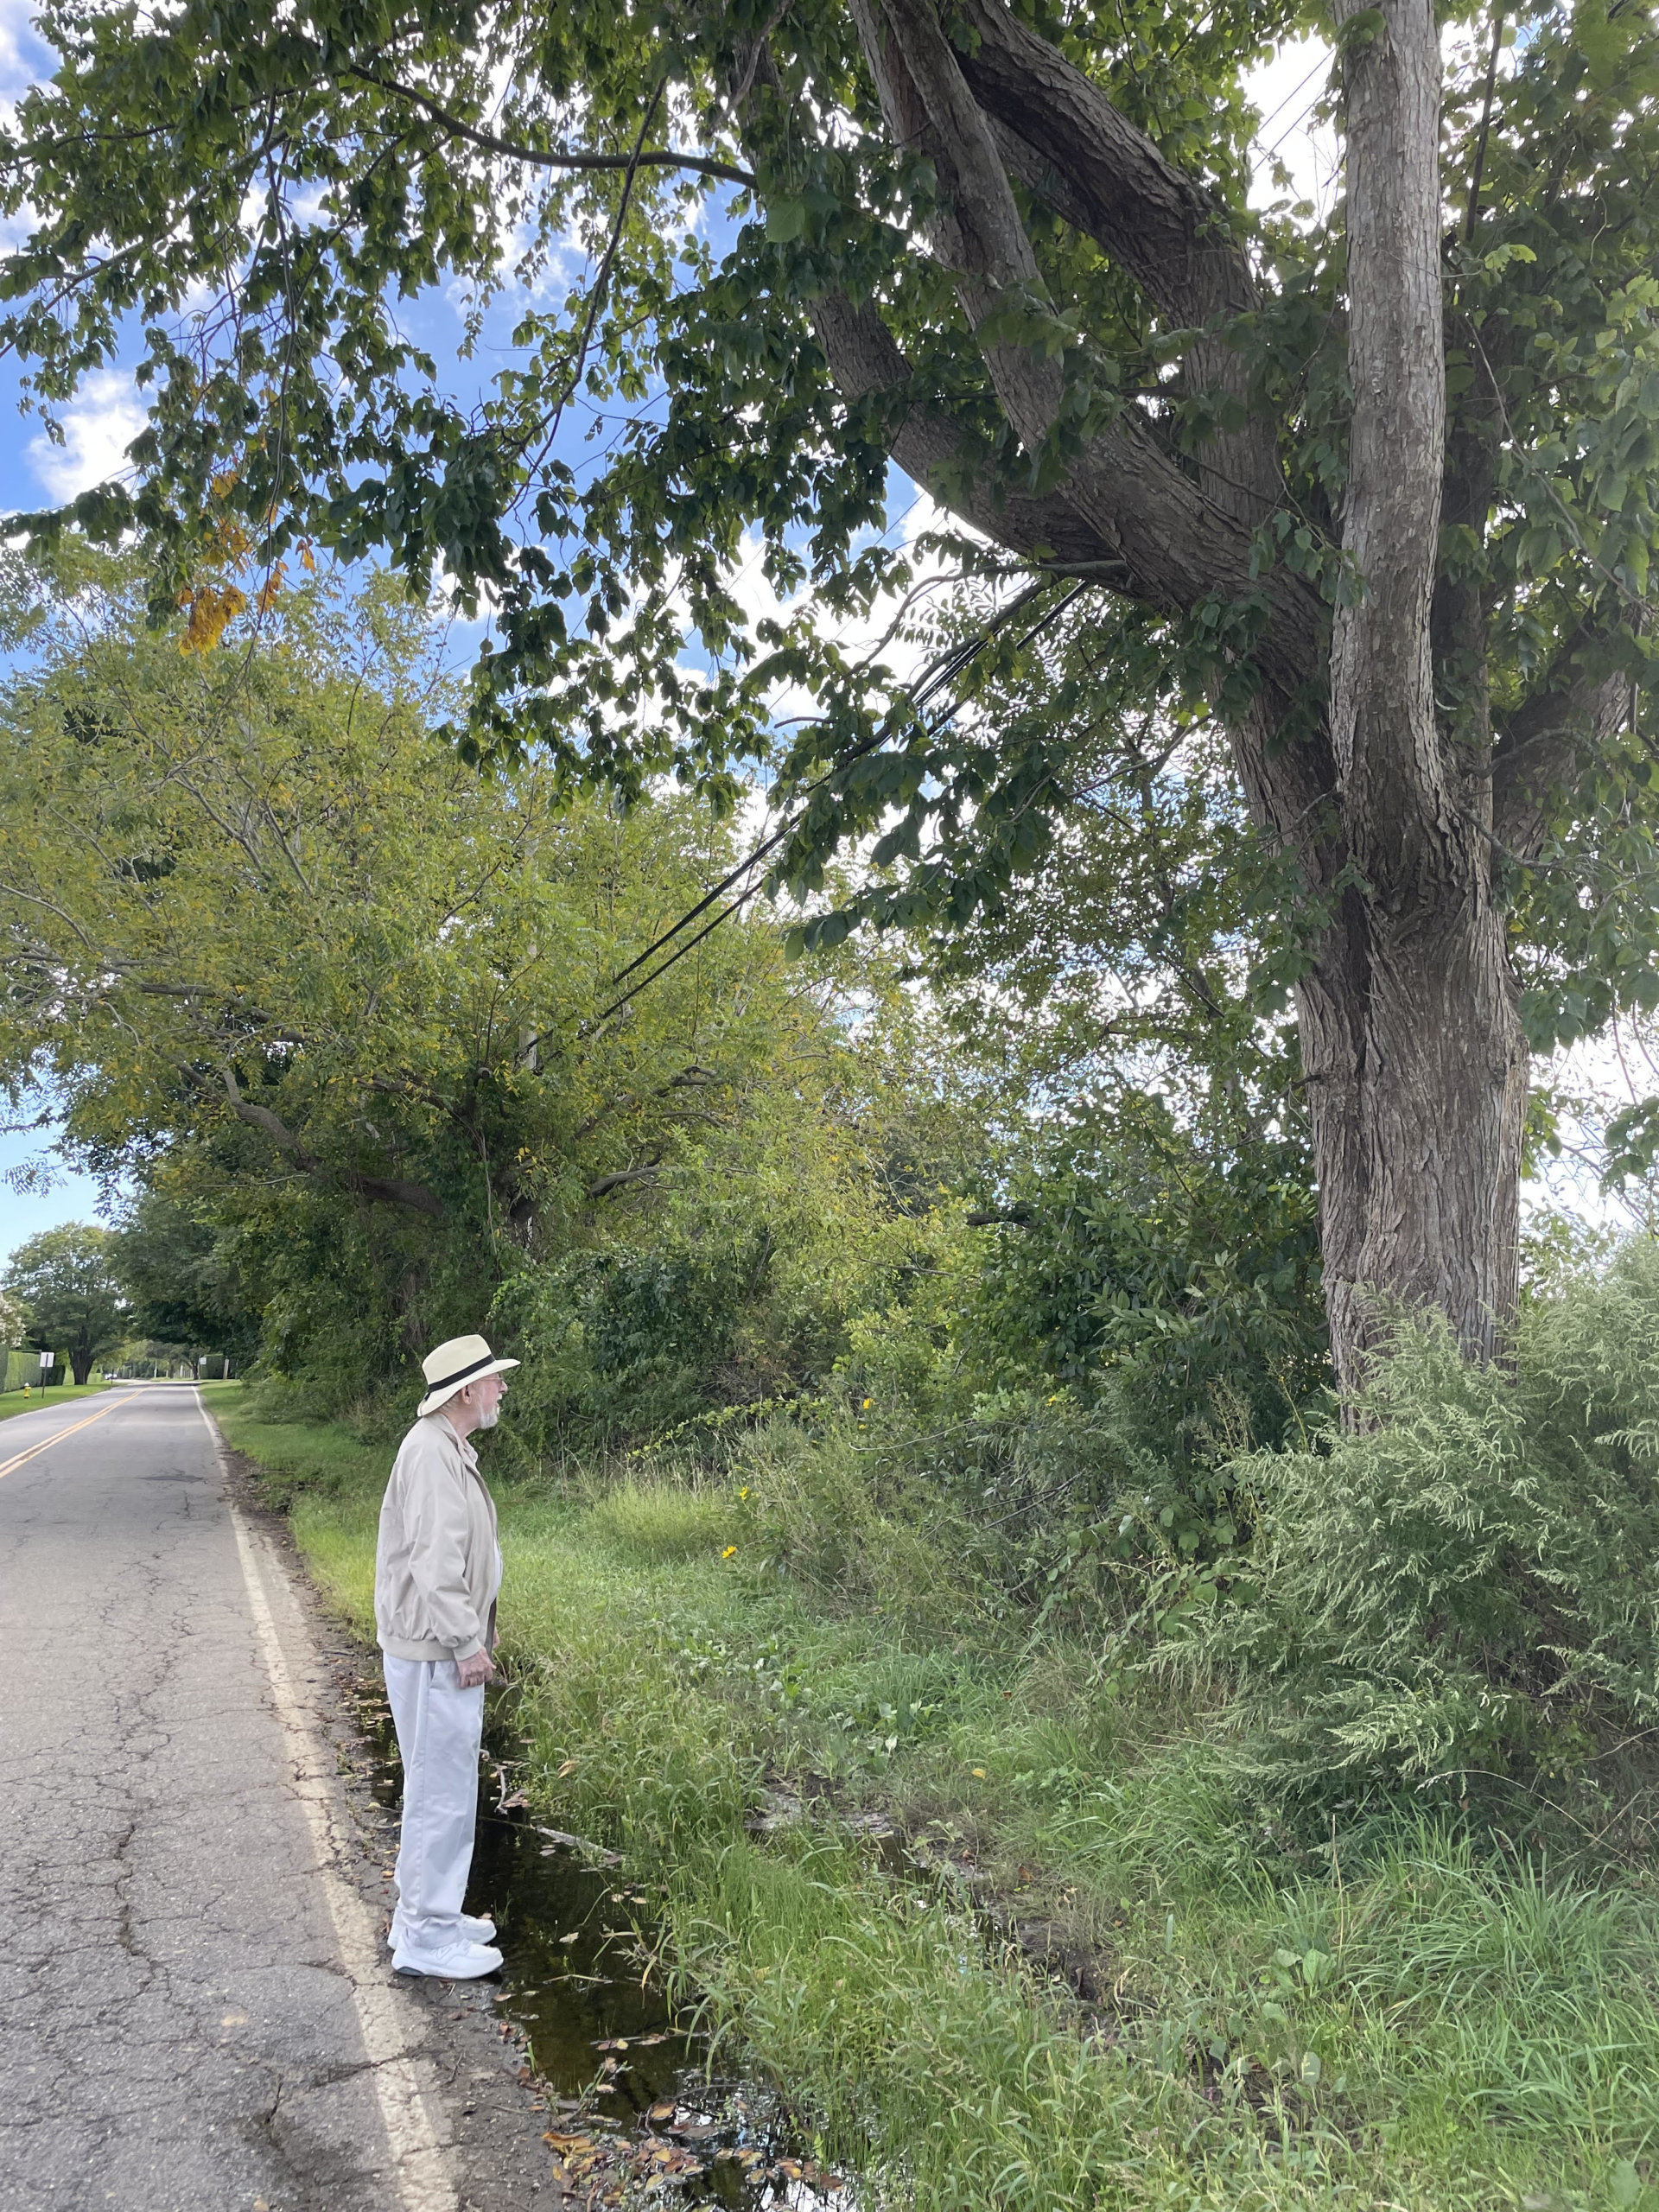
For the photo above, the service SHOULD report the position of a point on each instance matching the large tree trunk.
(1417, 1070)
(1412, 1048)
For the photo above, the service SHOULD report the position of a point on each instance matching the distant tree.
(64, 1278)
(181, 1286)
(14, 1320)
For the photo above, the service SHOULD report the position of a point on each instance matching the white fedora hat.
(453, 1365)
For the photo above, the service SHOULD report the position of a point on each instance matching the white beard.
(489, 1420)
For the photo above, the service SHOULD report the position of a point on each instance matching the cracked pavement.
(191, 1979)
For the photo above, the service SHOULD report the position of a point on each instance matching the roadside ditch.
(635, 2112)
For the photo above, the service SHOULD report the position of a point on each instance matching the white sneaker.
(473, 1929)
(460, 1962)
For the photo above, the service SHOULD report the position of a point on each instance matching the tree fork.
(1416, 1064)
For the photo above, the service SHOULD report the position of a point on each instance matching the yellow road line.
(58, 1434)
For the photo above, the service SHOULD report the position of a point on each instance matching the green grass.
(1403, 2023)
(62, 1393)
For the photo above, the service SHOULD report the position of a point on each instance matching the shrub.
(1466, 1580)
(1180, 1270)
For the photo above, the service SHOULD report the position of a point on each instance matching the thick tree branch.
(1068, 143)
(1177, 544)
(622, 1182)
(1126, 510)
(1395, 805)
(390, 1189)
(1060, 134)
(865, 362)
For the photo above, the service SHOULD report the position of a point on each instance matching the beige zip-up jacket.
(437, 1563)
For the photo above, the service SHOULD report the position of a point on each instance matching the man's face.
(486, 1395)
(478, 1406)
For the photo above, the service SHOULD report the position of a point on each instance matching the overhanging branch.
(548, 158)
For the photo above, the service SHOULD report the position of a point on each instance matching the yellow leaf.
(213, 606)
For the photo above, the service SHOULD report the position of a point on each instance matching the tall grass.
(1406, 2018)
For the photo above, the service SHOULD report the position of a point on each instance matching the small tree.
(65, 1278)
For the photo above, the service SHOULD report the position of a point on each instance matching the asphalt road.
(195, 2007)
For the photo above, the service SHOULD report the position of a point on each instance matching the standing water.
(635, 2108)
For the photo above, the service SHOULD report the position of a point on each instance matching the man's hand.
(474, 1672)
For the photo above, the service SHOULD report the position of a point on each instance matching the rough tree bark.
(1419, 1083)
(1414, 1056)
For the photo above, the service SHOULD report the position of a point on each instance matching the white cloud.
(914, 515)
(98, 426)
(23, 58)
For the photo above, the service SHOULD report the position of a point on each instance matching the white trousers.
(439, 1727)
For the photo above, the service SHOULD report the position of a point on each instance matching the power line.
(943, 671)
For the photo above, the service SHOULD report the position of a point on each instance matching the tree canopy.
(319, 988)
(1373, 491)
(180, 1280)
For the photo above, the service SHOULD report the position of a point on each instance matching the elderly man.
(438, 1573)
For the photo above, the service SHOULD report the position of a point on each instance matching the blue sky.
(27, 477)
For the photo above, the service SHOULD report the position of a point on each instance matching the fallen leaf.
(569, 1767)
(613, 2043)
(663, 2111)
(567, 2142)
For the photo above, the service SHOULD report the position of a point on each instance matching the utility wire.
(943, 672)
